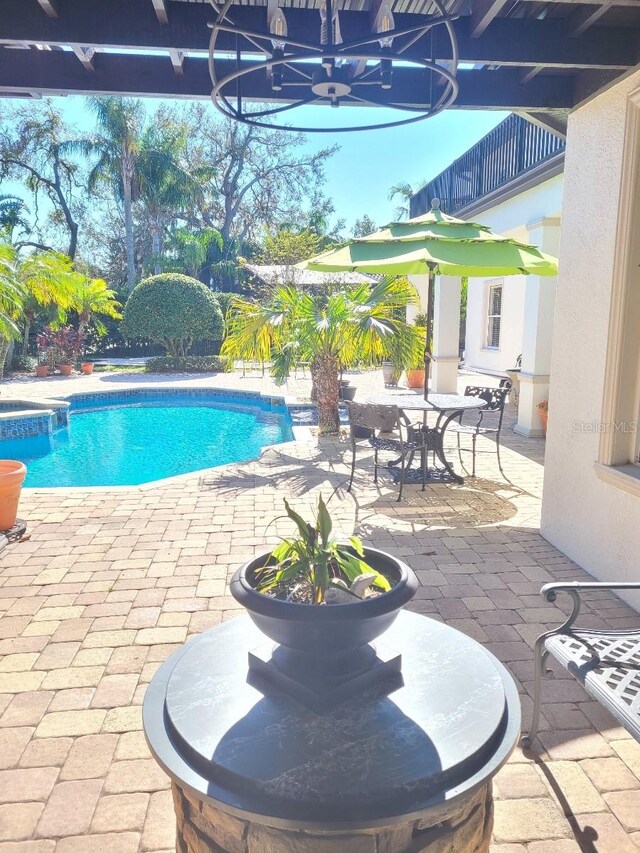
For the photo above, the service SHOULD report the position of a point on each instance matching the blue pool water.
(130, 444)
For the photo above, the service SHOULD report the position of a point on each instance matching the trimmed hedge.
(189, 364)
(174, 310)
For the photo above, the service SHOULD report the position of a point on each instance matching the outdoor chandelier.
(321, 68)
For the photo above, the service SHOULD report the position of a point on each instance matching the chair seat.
(393, 444)
(468, 429)
(607, 663)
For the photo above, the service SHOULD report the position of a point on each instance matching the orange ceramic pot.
(42, 370)
(544, 416)
(12, 476)
(415, 378)
(86, 367)
(65, 369)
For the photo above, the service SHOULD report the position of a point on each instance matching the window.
(494, 315)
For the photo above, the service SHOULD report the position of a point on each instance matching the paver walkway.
(111, 581)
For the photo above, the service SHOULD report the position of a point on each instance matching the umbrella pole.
(429, 331)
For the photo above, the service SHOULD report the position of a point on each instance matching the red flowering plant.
(61, 346)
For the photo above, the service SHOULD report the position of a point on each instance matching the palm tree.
(12, 210)
(11, 301)
(44, 279)
(117, 145)
(404, 191)
(187, 251)
(164, 185)
(92, 299)
(337, 329)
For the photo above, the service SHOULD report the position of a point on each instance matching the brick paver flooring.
(112, 581)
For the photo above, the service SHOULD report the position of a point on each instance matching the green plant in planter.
(303, 568)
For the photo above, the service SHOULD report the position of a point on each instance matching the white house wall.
(509, 218)
(594, 522)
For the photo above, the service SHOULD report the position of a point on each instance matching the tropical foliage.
(360, 324)
(174, 310)
(302, 568)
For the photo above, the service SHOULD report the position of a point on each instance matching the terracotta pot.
(87, 367)
(544, 416)
(415, 378)
(42, 370)
(12, 476)
(65, 369)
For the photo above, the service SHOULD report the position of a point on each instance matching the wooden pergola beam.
(50, 7)
(161, 11)
(483, 12)
(132, 24)
(177, 60)
(55, 72)
(585, 17)
(85, 55)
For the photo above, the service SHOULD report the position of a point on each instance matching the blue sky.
(369, 162)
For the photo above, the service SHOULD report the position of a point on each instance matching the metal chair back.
(368, 416)
(495, 398)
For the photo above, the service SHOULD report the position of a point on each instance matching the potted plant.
(415, 372)
(86, 367)
(42, 367)
(543, 408)
(391, 374)
(12, 476)
(62, 345)
(322, 599)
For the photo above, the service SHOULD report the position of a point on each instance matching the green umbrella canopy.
(435, 244)
(438, 244)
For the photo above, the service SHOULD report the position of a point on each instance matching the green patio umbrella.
(435, 244)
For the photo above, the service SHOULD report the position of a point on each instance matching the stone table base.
(464, 827)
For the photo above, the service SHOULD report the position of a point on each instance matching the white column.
(539, 306)
(446, 335)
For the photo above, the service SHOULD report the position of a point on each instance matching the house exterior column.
(539, 306)
(446, 335)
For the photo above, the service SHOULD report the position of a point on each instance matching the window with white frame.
(494, 315)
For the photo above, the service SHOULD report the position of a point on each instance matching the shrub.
(189, 364)
(23, 363)
(174, 310)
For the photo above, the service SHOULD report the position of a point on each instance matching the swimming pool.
(136, 437)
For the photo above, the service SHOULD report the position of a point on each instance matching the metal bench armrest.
(574, 588)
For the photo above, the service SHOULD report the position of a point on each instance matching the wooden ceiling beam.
(55, 72)
(160, 9)
(483, 12)
(177, 60)
(85, 55)
(132, 24)
(529, 73)
(585, 17)
(50, 7)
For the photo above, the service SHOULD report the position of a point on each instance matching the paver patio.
(111, 581)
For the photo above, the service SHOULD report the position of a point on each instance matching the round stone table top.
(372, 760)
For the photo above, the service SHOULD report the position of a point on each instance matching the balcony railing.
(508, 151)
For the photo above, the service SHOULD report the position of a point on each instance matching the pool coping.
(301, 433)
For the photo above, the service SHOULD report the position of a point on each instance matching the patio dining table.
(448, 407)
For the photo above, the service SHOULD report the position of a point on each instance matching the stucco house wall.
(594, 522)
(509, 218)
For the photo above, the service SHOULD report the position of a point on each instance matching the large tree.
(35, 148)
(117, 145)
(261, 177)
(166, 187)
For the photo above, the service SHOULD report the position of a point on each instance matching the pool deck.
(111, 581)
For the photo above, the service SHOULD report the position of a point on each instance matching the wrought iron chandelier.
(328, 70)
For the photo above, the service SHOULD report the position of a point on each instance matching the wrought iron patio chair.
(385, 428)
(489, 421)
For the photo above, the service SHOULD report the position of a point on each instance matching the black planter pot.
(347, 392)
(331, 638)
